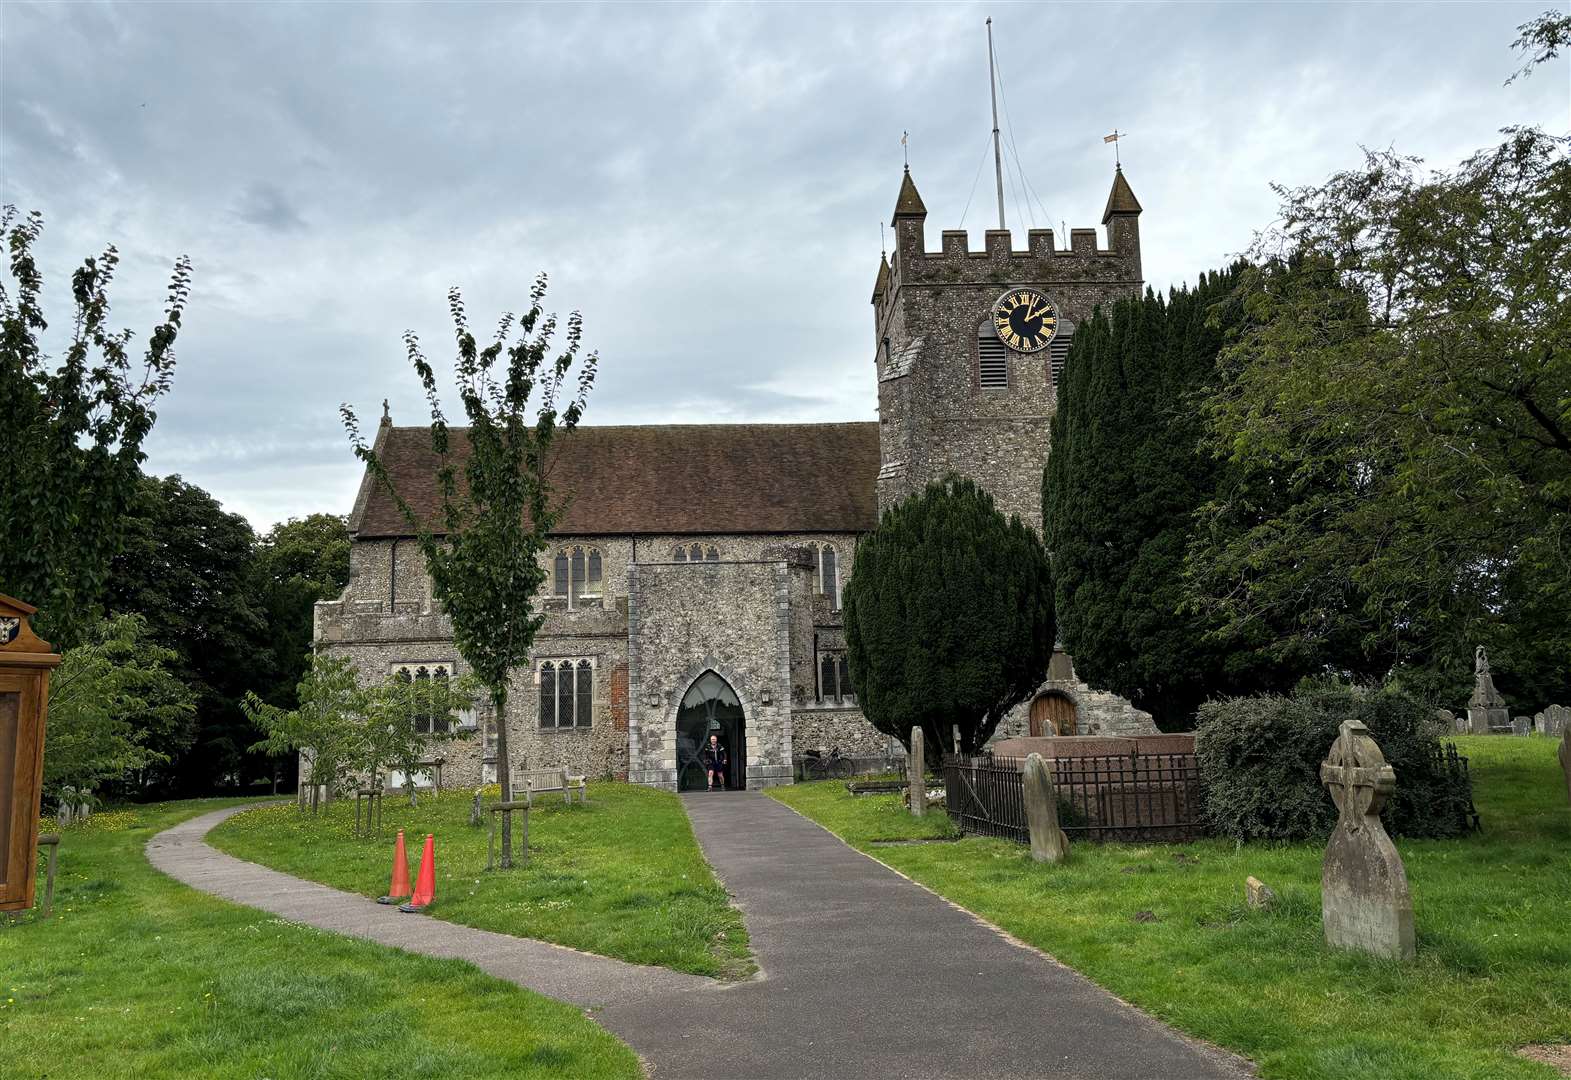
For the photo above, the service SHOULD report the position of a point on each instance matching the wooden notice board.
(25, 663)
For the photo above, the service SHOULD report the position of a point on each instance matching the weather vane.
(1113, 138)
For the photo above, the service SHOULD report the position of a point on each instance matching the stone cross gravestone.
(916, 774)
(1486, 709)
(1048, 842)
(1365, 902)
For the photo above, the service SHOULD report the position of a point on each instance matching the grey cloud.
(265, 206)
(705, 182)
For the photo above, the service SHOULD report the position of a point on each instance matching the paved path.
(869, 975)
(864, 974)
(566, 974)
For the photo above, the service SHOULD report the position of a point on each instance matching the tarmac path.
(863, 972)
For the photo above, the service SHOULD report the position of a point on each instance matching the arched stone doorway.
(1054, 713)
(710, 706)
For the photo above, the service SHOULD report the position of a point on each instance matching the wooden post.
(25, 663)
(506, 808)
(916, 774)
(52, 842)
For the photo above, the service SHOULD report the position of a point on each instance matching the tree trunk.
(504, 773)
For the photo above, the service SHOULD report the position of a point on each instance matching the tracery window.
(696, 553)
(834, 679)
(421, 678)
(567, 693)
(826, 572)
(577, 574)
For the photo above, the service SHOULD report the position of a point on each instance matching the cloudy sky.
(704, 182)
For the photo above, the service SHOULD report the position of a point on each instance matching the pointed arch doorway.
(710, 706)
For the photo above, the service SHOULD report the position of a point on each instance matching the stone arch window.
(420, 678)
(567, 693)
(826, 572)
(577, 574)
(834, 679)
(992, 358)
(697, 553)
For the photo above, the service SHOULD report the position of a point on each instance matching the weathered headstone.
(1486, 709)
(1048, 842)
(1565, 757)
(1521, 726)
(1445, 722)
(1365, 902)
(1462, 725)
(1257, 894)
(916, 774)
(1553, 720)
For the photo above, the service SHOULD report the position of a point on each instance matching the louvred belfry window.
(992, 359)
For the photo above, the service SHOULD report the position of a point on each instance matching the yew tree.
(948, 616)
(483, 546)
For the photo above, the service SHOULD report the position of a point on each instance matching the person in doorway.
(715, 762)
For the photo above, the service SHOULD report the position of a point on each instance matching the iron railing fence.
(1458, 787)
(1142, 797)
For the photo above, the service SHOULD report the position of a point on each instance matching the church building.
(694, 580)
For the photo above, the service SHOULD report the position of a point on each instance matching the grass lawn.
(1493, 915)
(138, 976)
(622, 876)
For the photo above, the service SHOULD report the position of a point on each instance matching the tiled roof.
(1120, 200)
(667, 478)
(908, 203)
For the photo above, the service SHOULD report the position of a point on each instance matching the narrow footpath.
(864, 974)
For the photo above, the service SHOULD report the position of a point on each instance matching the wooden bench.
(530, 782)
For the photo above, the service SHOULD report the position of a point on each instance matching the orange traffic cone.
(425, 882)
(399, 887)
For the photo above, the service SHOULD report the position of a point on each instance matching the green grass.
(1493, 915)
(138, 976)
(622, 876)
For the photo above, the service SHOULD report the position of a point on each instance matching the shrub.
(1260, 758)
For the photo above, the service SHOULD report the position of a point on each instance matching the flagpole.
(998, 157)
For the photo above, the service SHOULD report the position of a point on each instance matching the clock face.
(1025, 320)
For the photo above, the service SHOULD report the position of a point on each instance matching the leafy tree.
(483, 551)
(187, 567)
(1125, 474)
(948, 616)
(114, 708)
(406, 719)
(297, 563)
(328, 726)
(345, 730)
(73, 433)
(1407, 346)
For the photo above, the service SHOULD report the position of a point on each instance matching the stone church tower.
(952, 395)
(960, 391)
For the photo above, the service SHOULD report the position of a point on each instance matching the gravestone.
(1553, 720)
(916, 774)
(1521, 726)
(1258, 895)
(1445, 722)
(1486, 709)
(1565, 757)
(1365, 902)
(1048, 842)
